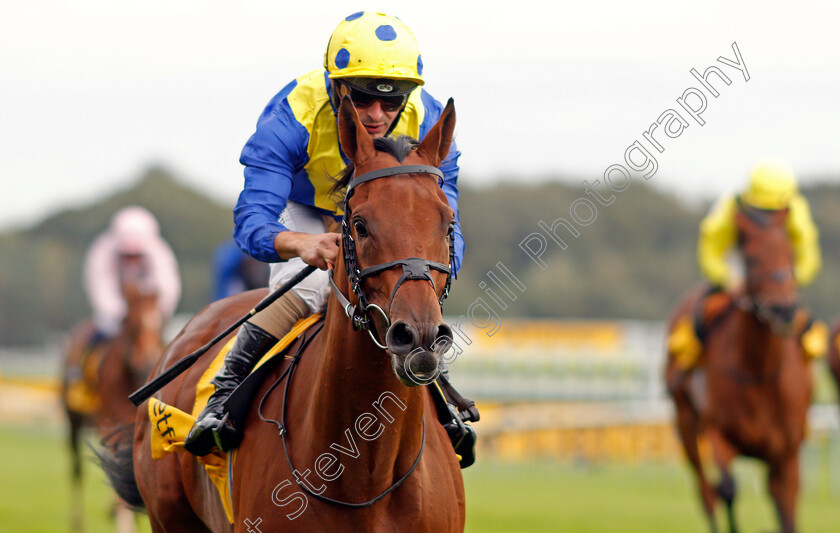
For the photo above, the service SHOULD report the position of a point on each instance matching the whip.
(143, 393)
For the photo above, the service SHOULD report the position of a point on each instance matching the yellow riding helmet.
(374, 45)
(772, 185)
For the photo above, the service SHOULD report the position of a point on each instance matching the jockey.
(772, 187)
(130, 249)
(286, 215)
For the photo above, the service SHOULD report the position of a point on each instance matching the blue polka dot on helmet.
(373, 45)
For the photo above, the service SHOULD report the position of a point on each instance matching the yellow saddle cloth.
(170, 425)
(684, 345)
(815, 340)
(686, 348)
(81, 395)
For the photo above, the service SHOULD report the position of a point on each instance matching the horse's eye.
(361, 230)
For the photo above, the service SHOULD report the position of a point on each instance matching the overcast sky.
(92, 92)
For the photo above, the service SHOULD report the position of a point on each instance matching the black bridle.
(414, 268)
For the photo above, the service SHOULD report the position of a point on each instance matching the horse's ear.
(435, 145)
(354, 138)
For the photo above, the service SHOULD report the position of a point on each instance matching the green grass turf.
(35, 481)
(645, 498)
(501, 497)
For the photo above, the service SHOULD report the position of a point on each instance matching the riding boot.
(211, 428)
(459, 430)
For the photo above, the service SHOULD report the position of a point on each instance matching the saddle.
(685, 342)
(82, 378)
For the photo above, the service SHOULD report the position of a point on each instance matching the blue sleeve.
(226, 268)
(450, 169)
(272, 156)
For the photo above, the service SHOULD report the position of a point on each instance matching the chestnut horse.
(834, 354)
(393, 467)
(752, 395)
(112, 371)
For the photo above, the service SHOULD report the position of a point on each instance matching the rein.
(414, 268)
(283, 431)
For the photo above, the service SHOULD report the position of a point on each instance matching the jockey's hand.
(319, 249)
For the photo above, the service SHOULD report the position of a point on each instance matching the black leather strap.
(393, 171)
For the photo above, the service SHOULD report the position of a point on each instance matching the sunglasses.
(389, 103)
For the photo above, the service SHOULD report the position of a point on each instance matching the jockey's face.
(375, 115)
(132, 264)
(130, 257)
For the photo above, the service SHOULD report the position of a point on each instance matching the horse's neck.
(355, 393)
(353, 373)
(139, 336)
(761, 348)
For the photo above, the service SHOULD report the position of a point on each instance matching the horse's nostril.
(400, 337)
(443, 339)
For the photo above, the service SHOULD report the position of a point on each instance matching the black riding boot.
(460, 432)
(211, 428)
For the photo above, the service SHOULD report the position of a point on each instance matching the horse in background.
(393, 466)
(834, 355)
(752, 391)
(96, 381)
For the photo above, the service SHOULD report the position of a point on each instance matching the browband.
(393, 171)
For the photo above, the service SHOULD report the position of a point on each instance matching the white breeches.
(314, 290)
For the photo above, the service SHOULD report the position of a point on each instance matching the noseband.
(414, 268)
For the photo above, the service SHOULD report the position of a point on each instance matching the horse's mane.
(399, 147)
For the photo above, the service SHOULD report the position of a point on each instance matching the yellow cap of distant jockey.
(374, 45)
(772, 185)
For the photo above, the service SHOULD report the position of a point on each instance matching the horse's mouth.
(420, 367)
(780, 318)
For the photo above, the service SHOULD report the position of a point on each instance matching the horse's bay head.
(768, 255)
(401, 226)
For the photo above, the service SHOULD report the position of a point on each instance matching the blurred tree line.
(41, 293)
(632, 261)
